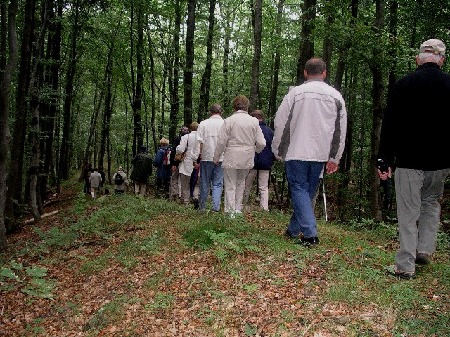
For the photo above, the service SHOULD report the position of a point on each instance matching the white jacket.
(208, 135)
(310, 124)
(239, 138)
(187, 142)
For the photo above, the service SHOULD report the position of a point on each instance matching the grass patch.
(206, 274)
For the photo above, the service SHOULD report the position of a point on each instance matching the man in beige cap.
(414, 124)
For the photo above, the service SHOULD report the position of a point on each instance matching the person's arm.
(260, 140)
(279, 147)
(221, 142)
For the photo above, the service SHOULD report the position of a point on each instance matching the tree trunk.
(306, 43)
(174, 73)
(5, 87)
(138, 135)
(107, 109)
(276, 64)
(255, 101)
(14, 194)
(229, 15)
(206, 78)
(66, 148)
(189, 66)
(35, 85)
(377, 112)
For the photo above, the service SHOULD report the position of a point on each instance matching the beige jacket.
(239, 138)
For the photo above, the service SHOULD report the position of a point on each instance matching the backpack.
(166, 158)
(118, 179)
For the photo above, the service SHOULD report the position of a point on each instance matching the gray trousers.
(418, 195)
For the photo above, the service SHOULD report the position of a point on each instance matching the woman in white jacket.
(187, 144)
(239, 138)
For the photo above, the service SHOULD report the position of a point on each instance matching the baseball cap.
(433, 46)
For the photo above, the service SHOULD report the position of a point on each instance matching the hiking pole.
(324, 200)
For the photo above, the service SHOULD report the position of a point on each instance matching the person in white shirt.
(185, 168)
(211, 174)
(239, 138)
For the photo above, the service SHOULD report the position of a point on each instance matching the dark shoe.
(422, 258)
(289, 236)
(308, 242)
(195, 202)
(400, 275)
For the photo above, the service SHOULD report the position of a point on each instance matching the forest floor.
(145, 281)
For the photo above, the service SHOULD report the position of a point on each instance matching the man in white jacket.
(310, 129)
(211, 176)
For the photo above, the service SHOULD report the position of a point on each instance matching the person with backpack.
(162, 162)
(120, 181)
(142, 169)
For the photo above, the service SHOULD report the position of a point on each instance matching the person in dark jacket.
(414, 123)
(162, 162)
(142, 169)
(263, 164)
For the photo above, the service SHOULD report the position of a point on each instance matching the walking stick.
(324, 200)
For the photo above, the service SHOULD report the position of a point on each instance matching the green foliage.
(107, 314)
(31, 280)
(57, 237)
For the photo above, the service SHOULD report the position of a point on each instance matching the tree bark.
(66, 148)
(276, 63)
(14, 194)
(255, 102)
(377, 108)
(35, 85)
(206, 78)
(174, 73)
(5, 87)
(189, 65)
(306, 44)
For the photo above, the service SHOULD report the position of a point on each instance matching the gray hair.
(428, 57)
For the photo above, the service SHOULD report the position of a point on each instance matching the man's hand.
(331, 167)
(385, 175)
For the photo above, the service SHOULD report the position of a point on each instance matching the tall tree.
(189, 63)
(66, 149)
(376, 68)
(36, 80)
(255, 100)
(14, 194)
(107, 110)
(138, 82)
(276, 61)
(228, 15)
(206, 78)
(307, 43)
(5, 87)
(174, 72)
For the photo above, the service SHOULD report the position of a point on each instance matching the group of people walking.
(220, 154)
(225, 155)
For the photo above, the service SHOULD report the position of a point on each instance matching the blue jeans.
(303, 178)
(210, 175)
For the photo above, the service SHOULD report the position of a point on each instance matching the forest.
(93, 80)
